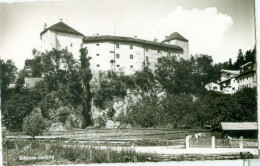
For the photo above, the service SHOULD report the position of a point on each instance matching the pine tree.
(86, 76)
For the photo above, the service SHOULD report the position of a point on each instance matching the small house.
(238, 129)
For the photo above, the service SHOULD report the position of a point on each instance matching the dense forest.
(171, 95)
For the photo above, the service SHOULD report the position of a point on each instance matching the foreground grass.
(58, 154)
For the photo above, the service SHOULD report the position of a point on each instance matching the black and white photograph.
(130, 82)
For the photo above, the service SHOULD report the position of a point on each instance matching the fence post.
(241, 146)
(188, 141)
(135, 159)
(56, 156)
(90, 155)
(213, 142)
(108, 156)
(16, 146)
(6, 152)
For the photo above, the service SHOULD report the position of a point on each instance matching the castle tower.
(177, 39)
(60, 36)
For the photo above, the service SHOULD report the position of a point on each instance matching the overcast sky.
(214, 27)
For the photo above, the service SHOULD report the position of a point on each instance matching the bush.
(63, 114)
(100, 122)
(34, 124)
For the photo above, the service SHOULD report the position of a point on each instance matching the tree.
(174, 75)
(111, 85)
(86, 76)
(18, 107)
(57, 67)
(250, 56)
(240, 60)
(213, 108)
(8, 70)
(20, 80)
(145, 112)
(202, 71)
(179, 110)
(35, 64)
(246, 99)
(34, 124)
(145, 79)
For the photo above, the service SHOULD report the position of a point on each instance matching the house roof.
(246, 72)
(230, 71)
(228, 79)
(91, 39)
(239, 125)
(213, 83)
(62, 27)
(248, 63)
(173, 36)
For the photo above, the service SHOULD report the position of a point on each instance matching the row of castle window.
(131, 66)
(117, 46)
(131, 47)
(131, 56)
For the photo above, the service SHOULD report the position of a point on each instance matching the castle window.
(70, 44)
(97, 54)
(146, 49)
(159, 51)
(117, 56)
(131, 66)
(98, 65)
(147, 59)
(131, 56)
(117, 45)
(131, 46)
(117, 65)
(97, 44)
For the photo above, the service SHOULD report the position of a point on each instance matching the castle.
(128, 54)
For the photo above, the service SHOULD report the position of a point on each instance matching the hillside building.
(247, 78)
(212, 86)
(127, 54)
(232, 80)
(238, 129)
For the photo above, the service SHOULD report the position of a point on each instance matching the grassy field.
(122, 137)
(102, 145)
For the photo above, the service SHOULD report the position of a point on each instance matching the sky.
(218, 28)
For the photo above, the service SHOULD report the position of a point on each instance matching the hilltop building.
(128, 54)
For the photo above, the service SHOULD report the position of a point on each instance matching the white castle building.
(128, 54)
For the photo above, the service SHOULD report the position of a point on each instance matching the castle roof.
(173, 36)
(106, 38)
(62, 27)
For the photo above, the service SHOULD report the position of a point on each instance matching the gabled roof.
(213, 83)
(173, 36)
(62, 27)
(247, 64)
(106, 38)
(230, 71)
(239, 125)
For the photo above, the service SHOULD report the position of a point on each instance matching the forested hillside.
(171, 95)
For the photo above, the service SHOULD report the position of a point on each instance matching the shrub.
(34, 124)
(100, 122)
(63, 114)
